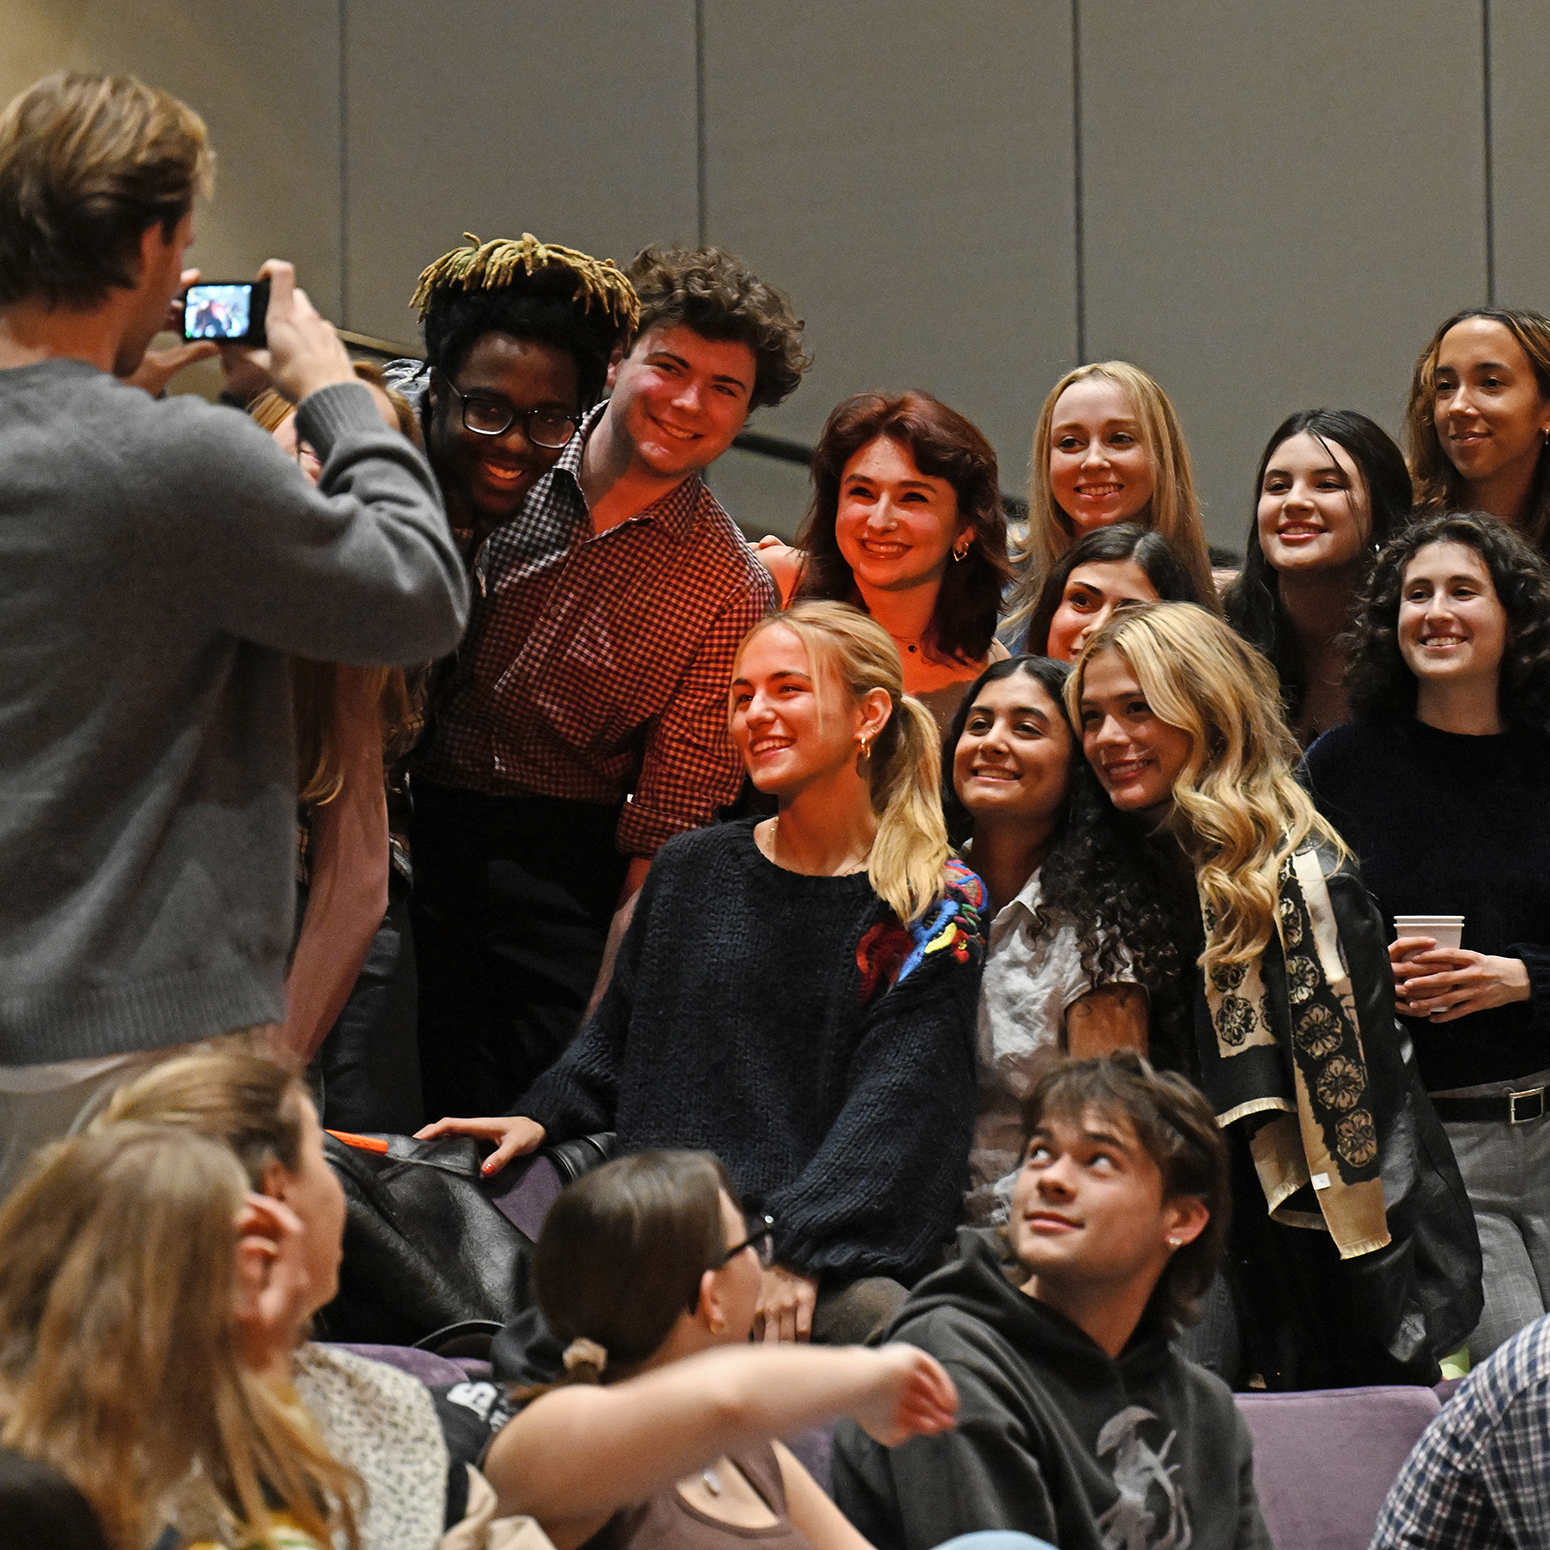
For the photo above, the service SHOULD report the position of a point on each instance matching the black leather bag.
(429, 1242)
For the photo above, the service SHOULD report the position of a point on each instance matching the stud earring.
(1173, 1243)
(718, 1326)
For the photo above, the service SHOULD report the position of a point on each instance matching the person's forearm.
(584, 1450)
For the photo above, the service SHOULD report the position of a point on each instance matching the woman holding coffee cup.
(1442, 788)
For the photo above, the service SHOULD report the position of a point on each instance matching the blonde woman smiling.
(1353, 1259)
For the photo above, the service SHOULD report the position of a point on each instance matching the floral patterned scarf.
(1292, 1053)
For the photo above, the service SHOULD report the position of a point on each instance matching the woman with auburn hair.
(798, 993)
(1356, 1259)
(1441, 784)
(1108, 447)
(143, 1289)
(1478, 420)
(907, 525)
(649, 1272)
(1331, 489)
(1108, 568)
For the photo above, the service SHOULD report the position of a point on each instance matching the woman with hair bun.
(651, 1273)
(1108, 568)
(907, 524)
(1478, 420)
(1108, 447)
(1442, 787)
(1331, 490)
(1353, 1254)
(799, 992)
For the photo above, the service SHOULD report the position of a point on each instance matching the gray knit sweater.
(158, 560)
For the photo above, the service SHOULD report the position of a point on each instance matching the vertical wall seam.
(701, 192)
(1490, 170)
(344, 169)
(1076, 172)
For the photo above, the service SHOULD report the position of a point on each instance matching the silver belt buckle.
(1537, 1112)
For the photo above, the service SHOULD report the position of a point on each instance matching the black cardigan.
(790, 1025)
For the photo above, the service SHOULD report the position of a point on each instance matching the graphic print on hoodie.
(1143, 1451)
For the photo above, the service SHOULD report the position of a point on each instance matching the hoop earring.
(866, 748)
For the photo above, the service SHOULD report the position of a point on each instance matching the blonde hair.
(315, 685)
(853, 653)
(119, 1354)
(1175, 508)
(1238, 810)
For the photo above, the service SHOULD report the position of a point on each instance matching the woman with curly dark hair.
(1353, 1258)
(1442, 787)
(1331, 488)
(1106, 569)
(1074, 951)
(1478, 420)
(907, 524)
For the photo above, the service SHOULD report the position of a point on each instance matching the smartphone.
(230, 310)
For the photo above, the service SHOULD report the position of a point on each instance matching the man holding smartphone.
(159, 561)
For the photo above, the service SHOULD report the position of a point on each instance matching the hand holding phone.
(305, 352)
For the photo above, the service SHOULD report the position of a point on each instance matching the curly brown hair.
(87, 164)
(944, 445)
(719, 297)
(1378, 680)
(1439, 487)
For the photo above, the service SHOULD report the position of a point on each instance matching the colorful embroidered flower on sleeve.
(888, 953)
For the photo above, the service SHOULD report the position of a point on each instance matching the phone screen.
(217, 311)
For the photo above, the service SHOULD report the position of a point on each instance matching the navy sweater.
(1445, 824)
(790, 1025)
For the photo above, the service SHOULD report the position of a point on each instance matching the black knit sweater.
(792, 1026)
(1448, 824)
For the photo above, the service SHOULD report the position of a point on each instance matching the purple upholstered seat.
(438, 1371)
(1324, 1459)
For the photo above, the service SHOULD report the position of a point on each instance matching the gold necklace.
(846, 868)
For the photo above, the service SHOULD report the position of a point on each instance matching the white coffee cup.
(1448, 930)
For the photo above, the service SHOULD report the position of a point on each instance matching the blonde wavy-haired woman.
(1108, 447)
(1354, 1255)
(798, 993)
(142, 1287)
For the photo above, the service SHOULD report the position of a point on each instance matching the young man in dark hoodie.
(1079, 1423)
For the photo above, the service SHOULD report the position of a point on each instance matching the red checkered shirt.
(596, 665)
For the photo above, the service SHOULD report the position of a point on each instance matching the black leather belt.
(1514, 1108)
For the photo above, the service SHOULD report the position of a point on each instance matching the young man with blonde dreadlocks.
(582, 722)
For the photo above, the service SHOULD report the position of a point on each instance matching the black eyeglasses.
(491, 417)
(761, 1239)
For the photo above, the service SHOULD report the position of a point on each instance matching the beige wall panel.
(904, 172)
(265, 76)
(1520, 147)
(576, 123)
(1281, 203)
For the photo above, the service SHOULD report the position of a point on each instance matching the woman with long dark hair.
(1353, 1254)
(1441, 785)
(1108, 568)
(1074, 953)
(1478, 420)
(1331, 489)
(907, 524)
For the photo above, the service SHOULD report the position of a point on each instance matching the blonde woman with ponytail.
(1352, 1246)
(799, 993)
